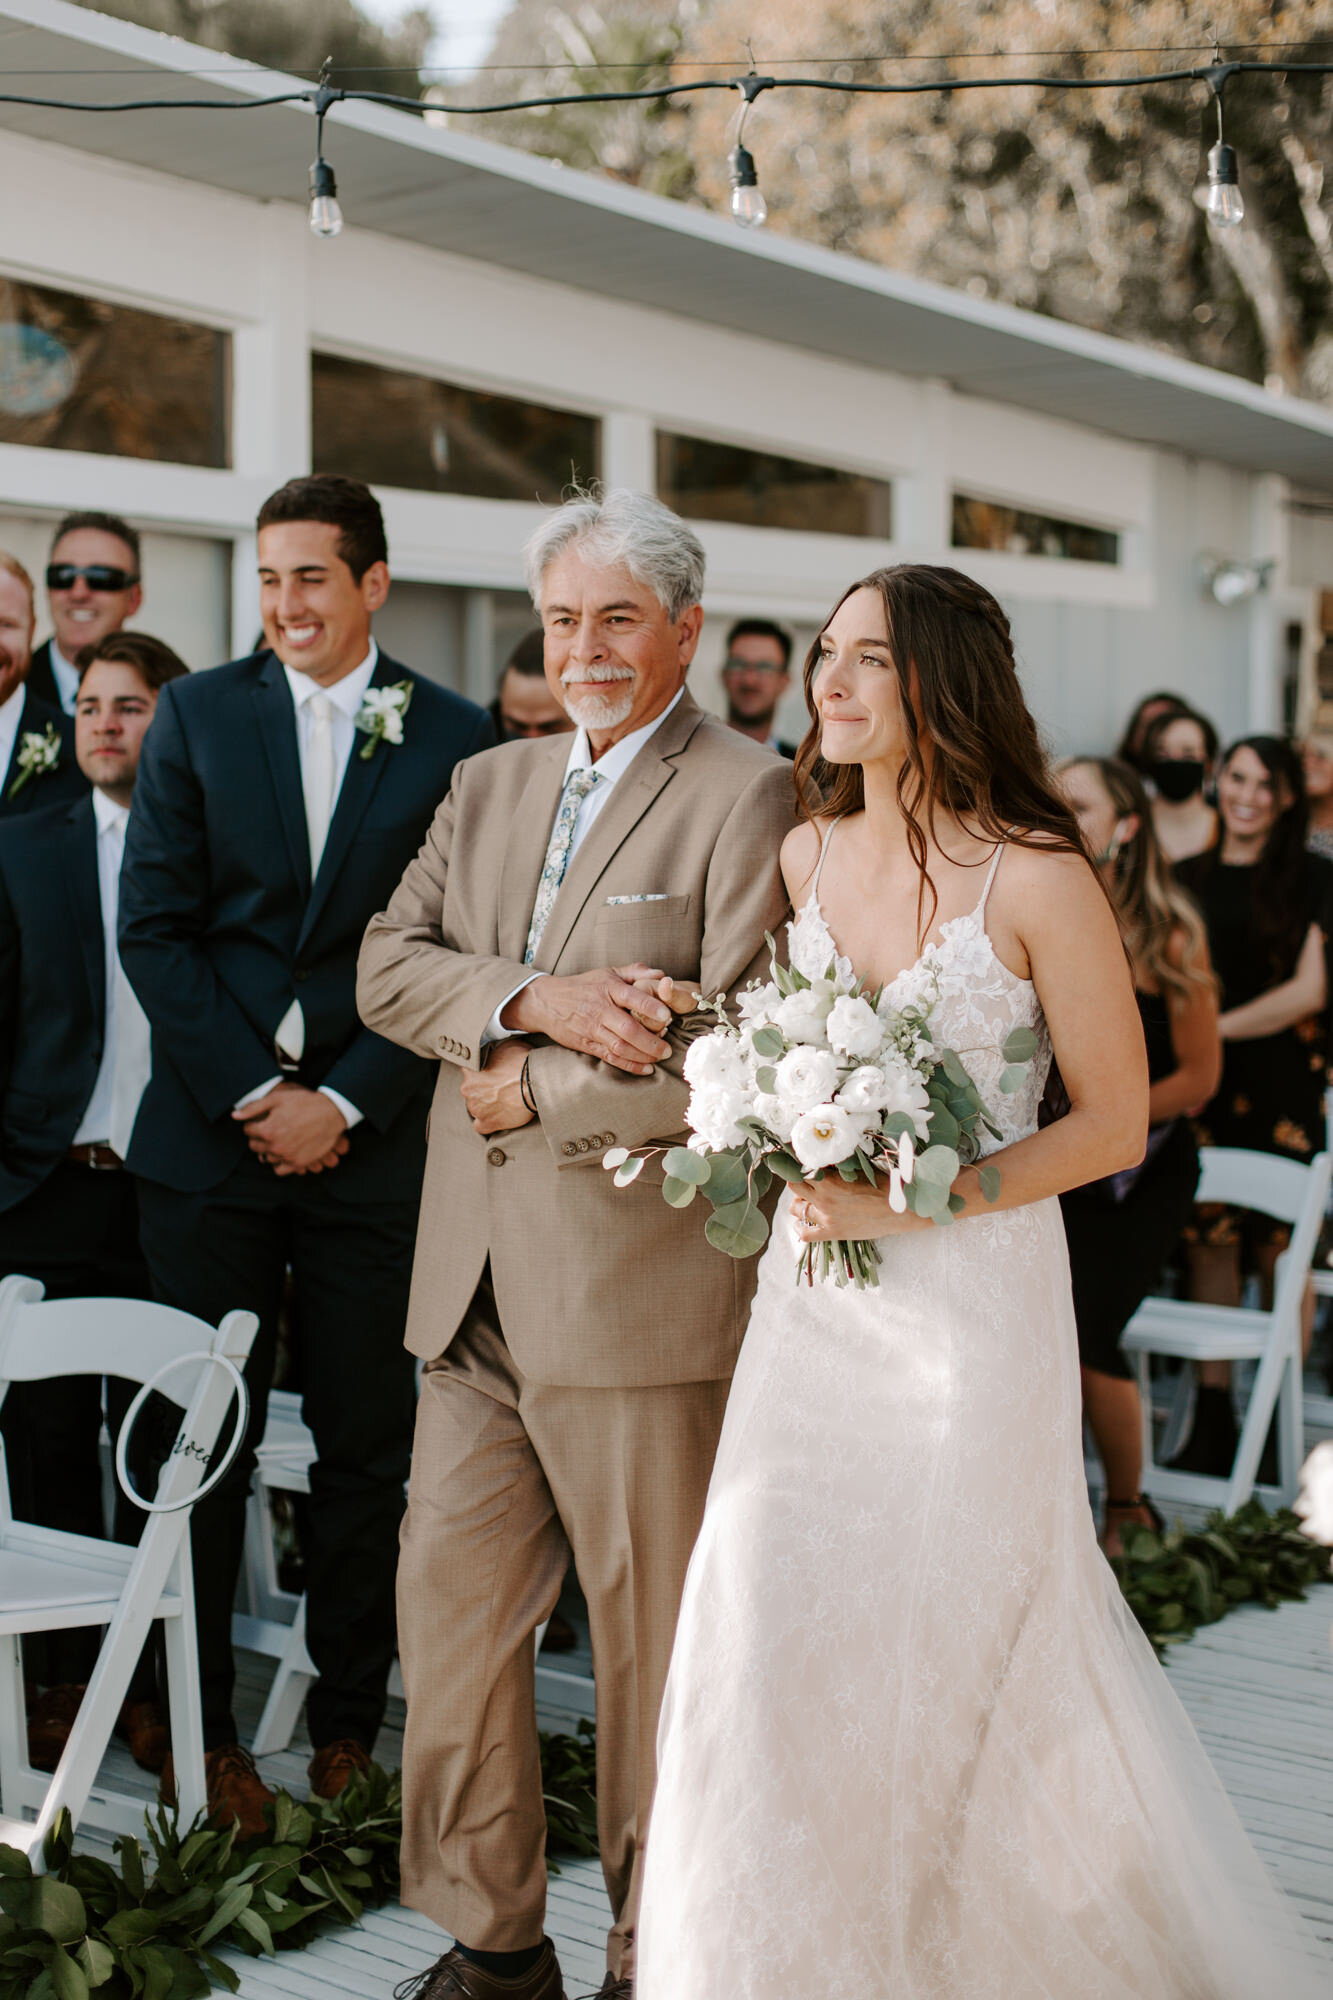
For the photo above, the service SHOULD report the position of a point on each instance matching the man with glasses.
(756, 675)
(92, 590)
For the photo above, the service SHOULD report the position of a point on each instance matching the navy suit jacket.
(42, 676)
(52, 989)
(221, 927)
(44, 788)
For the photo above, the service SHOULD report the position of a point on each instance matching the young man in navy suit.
(73, 1048)
(281, 798)
(36, 741)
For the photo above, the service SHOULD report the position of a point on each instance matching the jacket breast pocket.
(643, 908)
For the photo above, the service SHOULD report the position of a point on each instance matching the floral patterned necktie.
(558, 849)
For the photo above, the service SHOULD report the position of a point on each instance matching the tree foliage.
(294, 35)
(1081, 204)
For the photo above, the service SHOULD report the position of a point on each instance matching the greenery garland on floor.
(150, 1927)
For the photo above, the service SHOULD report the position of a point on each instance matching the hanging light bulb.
(747, 197)
(1225, 205)
(326, 218)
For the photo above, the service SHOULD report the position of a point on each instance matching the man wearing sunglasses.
(92, 590)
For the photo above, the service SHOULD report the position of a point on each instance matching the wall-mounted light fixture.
(1228, 582)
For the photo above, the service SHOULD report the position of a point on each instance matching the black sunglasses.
(97, 576)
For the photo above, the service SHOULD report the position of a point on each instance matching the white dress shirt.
(66, 678)
(346, 696)
(11, 715)
(610, 767)
(112, 820)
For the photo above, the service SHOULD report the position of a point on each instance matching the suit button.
(608, 1138)
(301, 973)
(445, 1046)
(569, 1148)
(585, 1145)
(497, 1157)
(466, 1053)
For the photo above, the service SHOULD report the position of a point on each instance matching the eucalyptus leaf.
(989, 1179)
(785, 1165)
(897, 1124)
(938, 1164)
(677, 1192)
(767, 1080)
(683, 1165)
(1012, 1079)
(630, 1171)
(952, 1065)
(728, 1179)
(944, 1127)
(1020, 1045)
(615, 1157)
(769, 1043)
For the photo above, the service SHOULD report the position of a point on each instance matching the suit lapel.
(525, 850)
(361, 780)
(276, 716)
(633, 794)
(85, 895)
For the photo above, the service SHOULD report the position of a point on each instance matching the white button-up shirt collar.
(111, 820)
(66, 677)
(610, 767)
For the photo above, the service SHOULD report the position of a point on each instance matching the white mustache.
(602, 676)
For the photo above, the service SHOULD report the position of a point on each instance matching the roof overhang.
(498, 205)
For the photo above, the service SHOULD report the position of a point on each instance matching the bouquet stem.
(847, 1263)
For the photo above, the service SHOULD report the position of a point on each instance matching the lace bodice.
(980, 1001)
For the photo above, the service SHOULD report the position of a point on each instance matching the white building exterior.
(495, 272)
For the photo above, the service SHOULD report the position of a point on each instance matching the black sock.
(503, 1964)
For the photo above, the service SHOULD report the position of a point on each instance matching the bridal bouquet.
(823, 1076)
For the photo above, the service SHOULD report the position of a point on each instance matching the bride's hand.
(681, 999)
(833, 1210)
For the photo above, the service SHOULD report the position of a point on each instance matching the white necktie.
(318, 776)
(134, 1062)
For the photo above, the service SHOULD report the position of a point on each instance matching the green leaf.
(897, 1124)
(284, 1805)
(677, 1192)
(1012, 1079)
(739, 1229)
(254, 1926)
(938, 1164)
(728, 1179)
(953, 1068)
(57, 1909)
(97, 1961)
(14, 1863)
(769, 1043)
(767, 1080)
(630, 1171)
(928, 1198)
(230, 1904)
(67, 1977)
(989, 1178)
(1020, 1045)
(785, 1165)
(131, 1927)
(956, 1204)
(944, 1127)
(683, 1165)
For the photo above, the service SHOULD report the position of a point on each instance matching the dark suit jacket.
(41, 676)
(52, 989)
(45, 788)
(221, 927)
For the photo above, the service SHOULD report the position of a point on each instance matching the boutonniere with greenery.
(380, 717)
(38, 751)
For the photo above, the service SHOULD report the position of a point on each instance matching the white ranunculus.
(758, 1004)
(714, 1113)
(776, 1113)
(716, 1059)
(854, 1028)
(803, 1016)
(904, 1091)
(1315, 1504)
(866, 1091)
(825, 1136)
(806, 1077)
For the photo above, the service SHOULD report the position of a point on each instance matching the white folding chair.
(53, 1581)
(1289, 1192)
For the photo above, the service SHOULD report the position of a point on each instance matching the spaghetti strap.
(1000, 846)
(826, 841)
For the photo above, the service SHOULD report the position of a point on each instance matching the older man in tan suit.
(579, 1341)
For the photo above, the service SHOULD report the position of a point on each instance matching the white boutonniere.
(380, 717)
(38, 751)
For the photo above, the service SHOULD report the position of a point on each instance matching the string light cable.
(1223, 205)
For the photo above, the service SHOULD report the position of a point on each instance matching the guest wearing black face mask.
(1179, 753)
(1129, 750)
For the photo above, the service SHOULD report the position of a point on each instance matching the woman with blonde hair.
(1121, 1229)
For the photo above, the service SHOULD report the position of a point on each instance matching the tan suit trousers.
(511, 1478)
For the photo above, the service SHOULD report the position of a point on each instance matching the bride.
(914, 1747)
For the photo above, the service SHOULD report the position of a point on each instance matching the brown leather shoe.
(143, 1727)
(235, 1789)
(453, 1978)
(50, 1719)
(332, 1768)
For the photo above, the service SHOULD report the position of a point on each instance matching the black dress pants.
(351, 1264)
(79, 1234)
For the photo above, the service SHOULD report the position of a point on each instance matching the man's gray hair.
(624, 530)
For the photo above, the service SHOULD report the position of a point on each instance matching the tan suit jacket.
(596, 1287)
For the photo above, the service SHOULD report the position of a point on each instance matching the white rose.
(802, 1016)
(715, 1059)
(853, 1027)
(866, 1091)
(1315, 1505)
(714, 1113)
(806, 1077)
(904, 1091)
(758, 1004)
(824, 1137)
(392, 726)
(776, 1114)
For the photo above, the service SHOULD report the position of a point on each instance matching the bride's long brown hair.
(959, 691)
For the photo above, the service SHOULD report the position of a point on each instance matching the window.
(393, 429)
(981, 524)
(78, 374)
(707, 481)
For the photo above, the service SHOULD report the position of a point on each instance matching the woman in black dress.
(1121, 1231)
(1266, 903)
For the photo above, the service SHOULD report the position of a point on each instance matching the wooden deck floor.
(1259, 1688)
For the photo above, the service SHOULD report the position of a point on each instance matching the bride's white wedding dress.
(914, 1746)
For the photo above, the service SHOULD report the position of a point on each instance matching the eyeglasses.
(97, 576)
